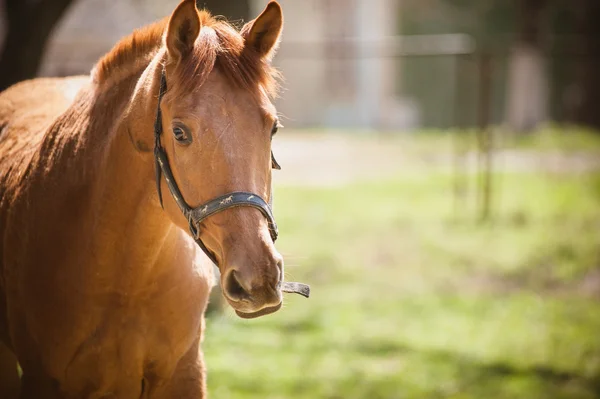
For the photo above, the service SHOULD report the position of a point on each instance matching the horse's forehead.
(218, 96)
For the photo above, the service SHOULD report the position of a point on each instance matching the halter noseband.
(196, 215)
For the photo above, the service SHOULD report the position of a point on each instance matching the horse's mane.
(218, 45)
(131, 53)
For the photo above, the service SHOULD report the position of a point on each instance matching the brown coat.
(102, 292)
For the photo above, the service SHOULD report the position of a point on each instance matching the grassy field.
(412, 298)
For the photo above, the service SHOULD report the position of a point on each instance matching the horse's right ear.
(183, 30)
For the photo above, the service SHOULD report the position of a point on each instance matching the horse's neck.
(127, 213)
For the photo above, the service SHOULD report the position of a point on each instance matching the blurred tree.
(528, 82)
(529, 21)
(29, 24)
(587, 71)
(233, 10)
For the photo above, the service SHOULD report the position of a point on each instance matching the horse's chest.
(131, 345)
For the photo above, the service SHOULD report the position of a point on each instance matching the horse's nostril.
(234, 289)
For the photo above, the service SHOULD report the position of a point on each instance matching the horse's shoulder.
(27, 109)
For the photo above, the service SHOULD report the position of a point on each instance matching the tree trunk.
(527, 104)
(587, 77)
(29, 25)
(233, 10)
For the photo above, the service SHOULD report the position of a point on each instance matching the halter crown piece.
(195, 216)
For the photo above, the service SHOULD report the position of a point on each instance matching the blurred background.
(440, 192)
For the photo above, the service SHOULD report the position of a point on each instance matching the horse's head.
(218, 123)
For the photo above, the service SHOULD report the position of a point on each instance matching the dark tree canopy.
(29, 24)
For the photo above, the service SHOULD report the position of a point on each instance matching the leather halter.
(195, 216)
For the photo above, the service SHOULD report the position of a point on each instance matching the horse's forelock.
(220, 45)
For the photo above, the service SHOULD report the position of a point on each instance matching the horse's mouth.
(262, 312)
(294, 288)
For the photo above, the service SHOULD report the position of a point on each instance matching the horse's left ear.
(262, 34)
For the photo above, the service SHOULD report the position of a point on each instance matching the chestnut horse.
(102, 291)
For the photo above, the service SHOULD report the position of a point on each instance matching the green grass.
(563, 138)
(412, 299)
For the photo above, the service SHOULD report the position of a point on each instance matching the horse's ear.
(183, 30)
(262, 34)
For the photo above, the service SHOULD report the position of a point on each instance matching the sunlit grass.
(413, 299)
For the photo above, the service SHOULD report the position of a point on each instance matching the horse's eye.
(275, 128)
(181, 135)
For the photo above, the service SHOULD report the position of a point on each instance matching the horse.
(104, 283)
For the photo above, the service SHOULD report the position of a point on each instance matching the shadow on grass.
(472, 376)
